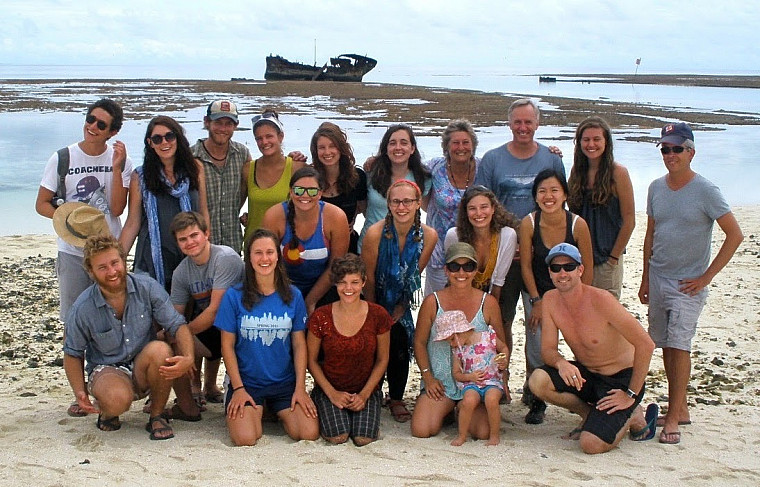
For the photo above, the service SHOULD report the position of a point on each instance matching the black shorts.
(599, 423)
(212, 339)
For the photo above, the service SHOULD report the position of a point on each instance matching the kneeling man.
(111, 324)
(605, 382)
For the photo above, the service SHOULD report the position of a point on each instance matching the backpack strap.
(63, 168)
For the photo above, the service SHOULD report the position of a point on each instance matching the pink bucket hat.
(450, 322)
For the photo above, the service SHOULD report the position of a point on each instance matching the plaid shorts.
(334, 421)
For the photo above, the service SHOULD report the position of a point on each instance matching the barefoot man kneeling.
(111, 324)
(605, 383)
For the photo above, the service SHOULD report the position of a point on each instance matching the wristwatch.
(533, 301)
(631, 394)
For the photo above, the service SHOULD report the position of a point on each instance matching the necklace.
(212, 155)
(453, 179)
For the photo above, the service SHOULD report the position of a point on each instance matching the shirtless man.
(605, 383)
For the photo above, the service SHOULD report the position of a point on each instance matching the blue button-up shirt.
(94, 332)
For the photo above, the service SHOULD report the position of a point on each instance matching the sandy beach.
(46, 447)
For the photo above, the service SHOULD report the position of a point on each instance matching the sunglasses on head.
(568, 267)
(158, 138)
(300, 190)
(92, 119)
(677, 149)
(468, 266)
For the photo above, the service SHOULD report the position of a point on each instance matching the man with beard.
(111, 325)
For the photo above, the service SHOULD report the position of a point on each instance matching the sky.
(518, 37)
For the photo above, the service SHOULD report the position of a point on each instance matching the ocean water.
(726, 156)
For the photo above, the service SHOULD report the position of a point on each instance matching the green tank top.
(260, 200)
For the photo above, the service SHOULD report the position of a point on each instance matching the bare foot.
(493, 441)
(458, 441)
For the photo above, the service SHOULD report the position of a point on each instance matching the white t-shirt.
(87, 175)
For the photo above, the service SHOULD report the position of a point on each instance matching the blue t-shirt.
(262, 335)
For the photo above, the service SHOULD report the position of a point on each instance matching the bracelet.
(617, 259)
(426, 369)
(235, 389)
(631, 394)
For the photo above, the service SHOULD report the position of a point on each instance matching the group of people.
(313, 294)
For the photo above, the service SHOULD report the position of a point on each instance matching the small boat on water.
(547, 79)
(346, 67)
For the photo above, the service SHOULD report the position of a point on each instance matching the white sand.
(43, 446)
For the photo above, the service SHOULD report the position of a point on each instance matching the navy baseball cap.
(564, 249)
(676, 133)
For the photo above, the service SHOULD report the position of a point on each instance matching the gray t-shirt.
(683, 223)
(511, 179)
(223, 269)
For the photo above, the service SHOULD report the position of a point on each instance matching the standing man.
(96, 174)
(223, 160)
(509, 171)
(201, 280)
(681, 209)
(111, 325)
(604, 384)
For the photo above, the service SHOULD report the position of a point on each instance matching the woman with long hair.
(550, 224)
(263, 327)
(396, 250)
(451, 175)
(398, 158)
(484, 223)
(345, 184)
(265, 180)
(602, 194)
(348, 345)
(169, 182)
(313, 234)
(440, 393)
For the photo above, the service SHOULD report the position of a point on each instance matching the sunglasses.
(300, 190)
(158, 138)
(675, 149)
(468, 266)
(90, 119)
(569, 267)
(407, 202)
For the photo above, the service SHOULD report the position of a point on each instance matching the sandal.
(399, 411)
(216, 397)
(75, 411)
(110, 424)
(160, 432)
(177, 413)
(200, 401)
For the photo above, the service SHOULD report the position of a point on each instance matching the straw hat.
(75, 221)
(450, 322)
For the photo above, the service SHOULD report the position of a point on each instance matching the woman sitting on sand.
(353, 337)
(398, 158)
(602, 194)
(266, 178)
(440, 393)
(169, 182)
(396, 251)
(345, 184)
(263, 323)
(313, 234)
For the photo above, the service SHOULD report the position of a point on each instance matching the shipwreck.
(346, 67)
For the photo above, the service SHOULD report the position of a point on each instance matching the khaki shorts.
(609, 277)
(673, 315)
(122, 369)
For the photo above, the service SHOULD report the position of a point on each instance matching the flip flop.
(661, 421)
(216, 397)
(672, 438)
(75, 411)
(648, 431)
(399, 411)
(574, 435)
(110, 424)
(163, 428)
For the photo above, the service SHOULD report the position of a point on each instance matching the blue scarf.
(397, 277)
(180, 191)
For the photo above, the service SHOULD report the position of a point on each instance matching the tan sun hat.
(450, 322)
(75, 221)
